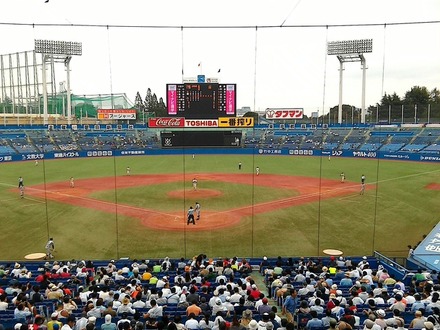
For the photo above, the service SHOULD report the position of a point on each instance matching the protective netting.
(87, 105)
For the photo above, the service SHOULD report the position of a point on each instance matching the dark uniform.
(191, 216)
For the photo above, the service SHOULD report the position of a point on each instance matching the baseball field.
(295, 206)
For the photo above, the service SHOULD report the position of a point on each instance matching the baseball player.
(362, 184)
(194, 183)
(50, 247)
(21, 187)
(197, 210)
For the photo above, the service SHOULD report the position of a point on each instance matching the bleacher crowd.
(416, 140)
(229, 293)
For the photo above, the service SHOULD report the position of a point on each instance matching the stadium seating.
(394, 140)
(265, 266)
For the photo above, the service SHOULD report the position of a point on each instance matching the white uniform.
(194, 183)
(50, 246)
(197, 209)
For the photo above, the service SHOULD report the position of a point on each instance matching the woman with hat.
(125, 307)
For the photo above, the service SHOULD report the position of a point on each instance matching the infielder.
(362, 184)
(197, 210)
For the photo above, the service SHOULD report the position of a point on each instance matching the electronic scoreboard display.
(196, 138)
(201, 100)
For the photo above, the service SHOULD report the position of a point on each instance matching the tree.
(152, 105)
(6, 105)
(150, 101)
(390, 100)
(138, 103)
(417, 95)
(434, 96)
(161, 108)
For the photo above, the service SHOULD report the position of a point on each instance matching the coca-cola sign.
(163, 122)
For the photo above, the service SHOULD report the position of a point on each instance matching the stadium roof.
(428, 252)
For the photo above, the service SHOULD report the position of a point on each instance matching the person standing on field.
(194, 183)
(197, 210)
(50, 247)
(128, 170)
(257, 170)
(190, 216)
(21, 186)
(342, 177)
(72, 182)
(362, 184)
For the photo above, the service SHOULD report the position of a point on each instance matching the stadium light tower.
(60, 52)
(351, 51)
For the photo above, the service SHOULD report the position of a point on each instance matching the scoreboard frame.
(201, 100)
(201, 138)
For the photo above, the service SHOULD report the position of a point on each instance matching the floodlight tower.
(351, 51)
(60, 52)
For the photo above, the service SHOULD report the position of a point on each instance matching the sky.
(275, 51)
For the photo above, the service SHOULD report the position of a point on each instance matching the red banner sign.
(162, 122)
(116, 114)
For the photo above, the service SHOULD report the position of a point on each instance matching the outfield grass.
(396, 213)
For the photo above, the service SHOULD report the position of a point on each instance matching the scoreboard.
(178, 139)
(201, 100)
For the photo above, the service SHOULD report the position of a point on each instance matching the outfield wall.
(406, 156)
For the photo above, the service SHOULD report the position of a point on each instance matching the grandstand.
(32, 139)
(138, 282)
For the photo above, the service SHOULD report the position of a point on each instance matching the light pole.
(351, 51)
(62, 91)
(352, 113)
(61, 52)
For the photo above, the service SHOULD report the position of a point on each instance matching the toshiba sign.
(203, 123)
